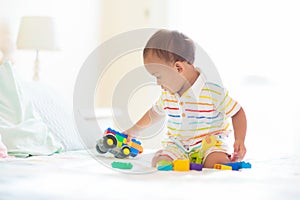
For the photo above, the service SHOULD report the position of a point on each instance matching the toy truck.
(117, 144)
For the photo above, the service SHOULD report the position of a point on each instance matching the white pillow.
(56, 113)
(22, 129)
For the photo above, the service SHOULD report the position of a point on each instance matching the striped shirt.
(204, 109)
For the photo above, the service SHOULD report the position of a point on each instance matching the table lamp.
(37, 33)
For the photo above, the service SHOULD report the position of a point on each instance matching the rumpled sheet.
(23, 131)
(3, 149)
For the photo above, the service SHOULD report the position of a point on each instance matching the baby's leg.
(169, 153)
(158, 158)
(216, 158)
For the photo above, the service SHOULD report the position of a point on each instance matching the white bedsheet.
(77, 175)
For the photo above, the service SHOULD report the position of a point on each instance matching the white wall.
(257, 37)
(119, 16)
(78, 24)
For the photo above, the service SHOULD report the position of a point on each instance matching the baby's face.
(165, 73)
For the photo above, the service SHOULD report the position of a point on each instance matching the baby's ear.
(179, 66)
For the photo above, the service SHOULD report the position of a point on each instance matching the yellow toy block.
(222, 167)
(181, 165)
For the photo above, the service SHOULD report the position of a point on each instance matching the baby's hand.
(131, 133)
(239, 151)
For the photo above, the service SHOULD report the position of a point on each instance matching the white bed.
(80, 175)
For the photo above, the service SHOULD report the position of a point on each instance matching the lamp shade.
(37, 33)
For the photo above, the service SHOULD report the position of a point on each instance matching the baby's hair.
(171, 46)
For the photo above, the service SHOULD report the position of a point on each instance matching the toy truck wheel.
(109, 141)
(124, 152)
(101, 150)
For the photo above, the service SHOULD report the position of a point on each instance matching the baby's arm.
(148, 119)
(239, 123)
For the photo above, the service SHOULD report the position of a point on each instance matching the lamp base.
(36, 68)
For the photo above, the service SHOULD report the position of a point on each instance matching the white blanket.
(78, 175)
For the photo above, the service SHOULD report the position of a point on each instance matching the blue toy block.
(235, 165)
(136, 141)
(165, 168)
(245, 165)
(238, 165)
(164, 165)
